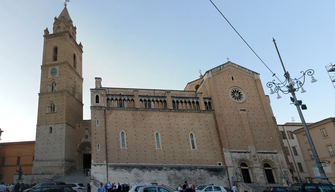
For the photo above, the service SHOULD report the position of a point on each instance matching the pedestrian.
(118, 187)
(234, 188)
(109, 187)
(88, 188)
(101, 188)
(185, 186)
(11, 189)
(3, 187)
(127, 188)
(189, 189)
(179, 188)
(193, 187)
(17, 187)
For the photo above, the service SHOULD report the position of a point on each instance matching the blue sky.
(162, 44)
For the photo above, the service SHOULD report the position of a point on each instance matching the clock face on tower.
(53, 71)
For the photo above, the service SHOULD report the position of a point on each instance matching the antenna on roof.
(65, 2)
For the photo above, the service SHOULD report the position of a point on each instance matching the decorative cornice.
(152, 109)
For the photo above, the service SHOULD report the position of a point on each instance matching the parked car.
(312, 187)
(214, 188)
(135, 188)
(155, 188)
(276, 189)
(199, 187)
(79, 187)
(54, 188)
(44, 184)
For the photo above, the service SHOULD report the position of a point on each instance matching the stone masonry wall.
(170, 175)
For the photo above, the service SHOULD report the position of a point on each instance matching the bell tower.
(60, 98)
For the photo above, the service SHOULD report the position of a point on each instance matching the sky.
(162, 44)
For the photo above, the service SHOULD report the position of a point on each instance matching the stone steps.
(75, 176)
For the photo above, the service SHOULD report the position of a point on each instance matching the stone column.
(201, 101)
(136, 99)
(168, 100)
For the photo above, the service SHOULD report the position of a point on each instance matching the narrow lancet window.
(55, 54)
(123, 140)
(74, 61)
(52, 108)
(158, 144)
(97, 99)
(192, 141)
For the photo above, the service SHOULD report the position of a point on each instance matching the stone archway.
(84, 155)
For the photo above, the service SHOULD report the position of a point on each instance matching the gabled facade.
(222, 121)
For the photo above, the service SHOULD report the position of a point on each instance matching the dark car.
(44, 184)
(312, 187)
(54, 188)
(276, 189)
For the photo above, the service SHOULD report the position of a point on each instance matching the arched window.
(269, 173)
(120, 103)
(97, 123)
(245, 172)
(50, 129)
(97, 99)
(52, 108)
(158, 143)
(147, 104)
(55, 53)
(74, 61)
(192, 140)
(123, 140)
(98, 147)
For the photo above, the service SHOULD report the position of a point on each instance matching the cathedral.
(220, 129)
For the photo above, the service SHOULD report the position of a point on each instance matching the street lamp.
(292, 85)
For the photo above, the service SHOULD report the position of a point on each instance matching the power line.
(273, 74)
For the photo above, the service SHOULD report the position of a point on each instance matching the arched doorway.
(245, 173)
(84, 156)
(269, 173)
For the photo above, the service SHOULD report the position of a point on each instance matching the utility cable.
(273, 74)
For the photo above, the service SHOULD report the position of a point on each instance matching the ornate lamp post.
(292, 85)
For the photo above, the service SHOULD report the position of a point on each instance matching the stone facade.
(219, 129)
(60, 104)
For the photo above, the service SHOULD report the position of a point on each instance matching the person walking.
(185, 186)
(179, 188)
(88, 188)
(234, 188)
(101, 188)
(17, 187)
(3, 187)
